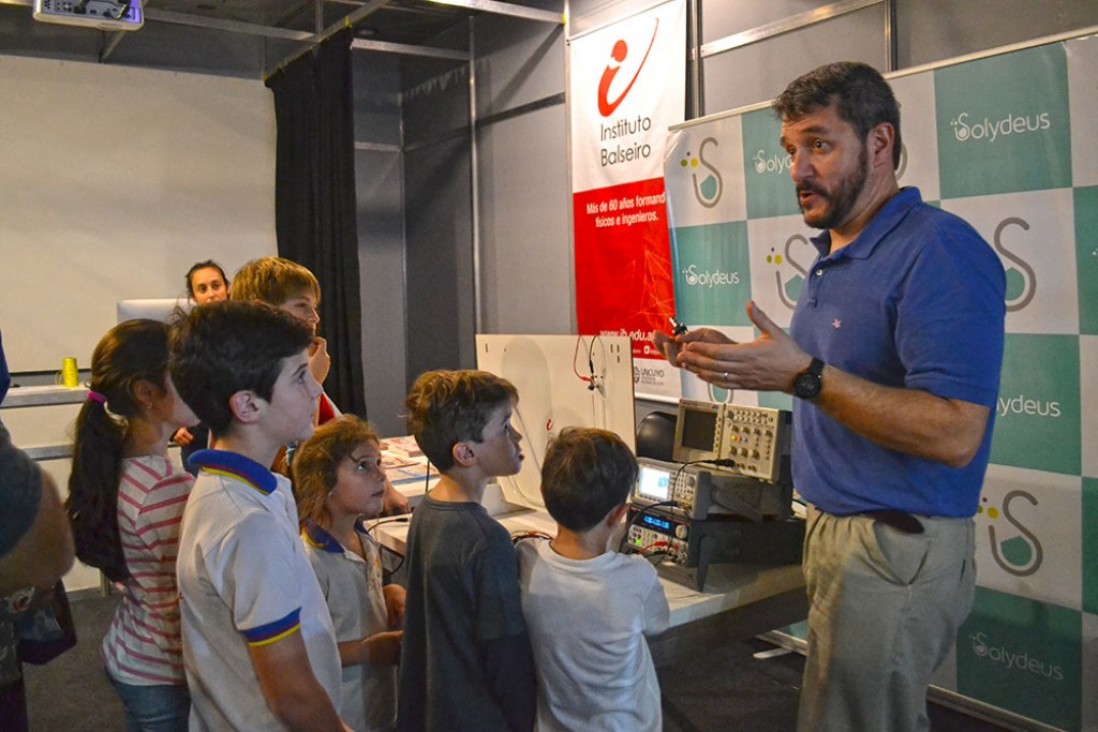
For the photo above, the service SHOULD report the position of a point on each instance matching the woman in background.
(125, 502)
(206, 282)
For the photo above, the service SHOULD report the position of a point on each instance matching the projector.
(101, 14)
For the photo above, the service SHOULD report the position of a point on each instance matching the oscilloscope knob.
(682, 531)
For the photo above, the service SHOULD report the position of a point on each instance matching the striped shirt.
(142, 646)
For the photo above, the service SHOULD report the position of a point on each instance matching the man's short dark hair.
(225, 347)
(862, 97)
(587, 472)
(448, 407)
(208, 264)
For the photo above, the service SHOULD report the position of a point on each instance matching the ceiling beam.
(405, 49)
(231, 26)
(499, 8)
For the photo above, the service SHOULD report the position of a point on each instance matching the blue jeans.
(154, 708)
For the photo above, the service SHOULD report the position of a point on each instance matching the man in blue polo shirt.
(894, 354)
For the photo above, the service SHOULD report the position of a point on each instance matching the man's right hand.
(671, 346)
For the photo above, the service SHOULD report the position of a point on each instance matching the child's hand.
(182, 437)
(319, 360)
(383, 649)
(394, 603)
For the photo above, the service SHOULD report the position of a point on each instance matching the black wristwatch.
(809, 382)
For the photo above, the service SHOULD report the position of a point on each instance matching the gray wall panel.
(518, 62)
(760, 71)
(381, 268)
(439, 260)
(935, 30)
(525, 224)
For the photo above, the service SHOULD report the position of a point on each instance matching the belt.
(898, 520)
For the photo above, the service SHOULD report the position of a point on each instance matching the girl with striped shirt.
(125, 502)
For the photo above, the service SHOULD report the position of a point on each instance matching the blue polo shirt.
(916, 301)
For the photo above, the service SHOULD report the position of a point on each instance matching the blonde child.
(339, 482)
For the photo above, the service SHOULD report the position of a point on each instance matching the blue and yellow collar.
(319, 538)
(235, 465)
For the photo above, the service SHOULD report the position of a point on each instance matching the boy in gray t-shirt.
(587, 608)
(466, 662)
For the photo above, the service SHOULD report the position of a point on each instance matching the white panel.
(547, 372)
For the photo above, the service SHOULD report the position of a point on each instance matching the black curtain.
(315, 205)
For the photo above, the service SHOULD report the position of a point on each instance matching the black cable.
(402, 518)
(400, 564)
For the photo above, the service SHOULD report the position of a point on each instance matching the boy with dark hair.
(293, 289)
(466, 662)
(588, 608)
(258, 643)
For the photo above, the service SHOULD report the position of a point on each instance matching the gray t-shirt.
(463, 593)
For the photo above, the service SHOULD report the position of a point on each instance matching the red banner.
(623, 261)
(627, 87)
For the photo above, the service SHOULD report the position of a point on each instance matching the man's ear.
(880, 142)
(463, 454)
(246, 406)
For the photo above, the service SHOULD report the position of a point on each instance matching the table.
(740, 601)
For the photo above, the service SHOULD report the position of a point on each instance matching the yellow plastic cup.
(70, 374)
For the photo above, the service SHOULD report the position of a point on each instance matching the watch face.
(806, 386)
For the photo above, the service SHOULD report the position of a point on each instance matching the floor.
(726, 688)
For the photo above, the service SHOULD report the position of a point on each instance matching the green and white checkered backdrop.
(1010, 143)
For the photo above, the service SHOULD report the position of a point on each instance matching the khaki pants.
(884, 609)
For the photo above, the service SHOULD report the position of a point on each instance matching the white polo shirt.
(353, 588)
(244, 580)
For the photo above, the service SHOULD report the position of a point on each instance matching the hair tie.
(97, 397)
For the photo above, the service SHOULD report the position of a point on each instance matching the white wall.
(114, 181)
